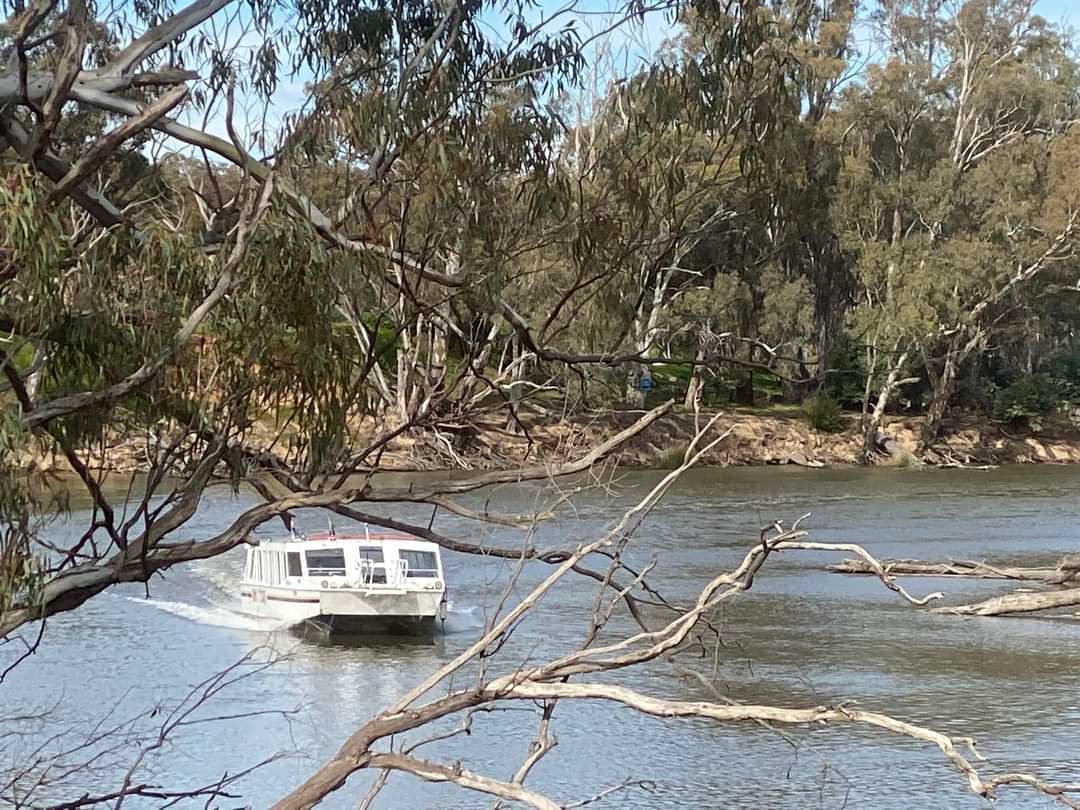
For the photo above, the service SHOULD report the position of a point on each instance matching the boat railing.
(381, 574)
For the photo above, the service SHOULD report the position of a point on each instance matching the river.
(801, 637)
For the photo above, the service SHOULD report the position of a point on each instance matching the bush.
(847, 371)
(1065, 370)
(1028, 400)
(823, 413)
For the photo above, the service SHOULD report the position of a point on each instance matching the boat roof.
(374, 536)
(363, 537)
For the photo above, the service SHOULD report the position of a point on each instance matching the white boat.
(346, 583)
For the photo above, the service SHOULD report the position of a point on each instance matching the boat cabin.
(346, 560)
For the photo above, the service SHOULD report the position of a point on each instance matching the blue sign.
(645, 383)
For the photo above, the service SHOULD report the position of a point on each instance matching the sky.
(1059, 10)
(631, 42)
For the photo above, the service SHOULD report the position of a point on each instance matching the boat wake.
(214, 616)
(463, 619)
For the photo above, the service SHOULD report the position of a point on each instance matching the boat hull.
(346, 610)
(336, 624)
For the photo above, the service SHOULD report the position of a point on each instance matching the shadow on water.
(318, 634)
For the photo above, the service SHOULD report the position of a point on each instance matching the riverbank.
(754, 439)
(777, 439)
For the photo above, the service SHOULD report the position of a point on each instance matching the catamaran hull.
(339, 625)
(348, 611)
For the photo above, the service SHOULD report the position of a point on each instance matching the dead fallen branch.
(952, 568)
(870, 565)
(1066, 571)
(1018, 602)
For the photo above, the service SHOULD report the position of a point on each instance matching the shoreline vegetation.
(755, 437)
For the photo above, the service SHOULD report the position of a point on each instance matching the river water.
(801, 637)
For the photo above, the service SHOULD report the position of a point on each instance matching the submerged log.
(1070, 562)
(1017, 603)
(1067, 570)
(956, 568)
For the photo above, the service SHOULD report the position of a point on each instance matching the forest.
(485, 215)
(871, 208)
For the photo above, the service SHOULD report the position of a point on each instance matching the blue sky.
(629, 44)
(1058, 10)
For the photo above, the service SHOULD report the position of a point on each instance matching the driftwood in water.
(1070, 562)
(1066, 571)
(963, 568)
(1020, 602)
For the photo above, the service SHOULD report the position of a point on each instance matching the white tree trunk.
(870, 432)
(697, 376)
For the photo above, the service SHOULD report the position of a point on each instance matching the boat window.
(421, 563)
(294, 564)
(326, 562)
(271, 567)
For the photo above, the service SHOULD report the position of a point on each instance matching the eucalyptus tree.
(225, 351)
(795, 175)
(981, 89)
(665, 187)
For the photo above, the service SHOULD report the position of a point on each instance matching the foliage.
(823, 413)
(460, 228)
(1065, 371)
(1028, 400)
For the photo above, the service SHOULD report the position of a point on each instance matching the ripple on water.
(801, 637)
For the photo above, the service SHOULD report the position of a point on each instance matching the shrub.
(823, 413)
(671, 457)
(847, 371)
(1028, 400)
(1065, 370)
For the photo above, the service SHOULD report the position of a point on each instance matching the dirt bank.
(754, 439)
(773, 439)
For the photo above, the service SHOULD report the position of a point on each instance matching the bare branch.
(108, 143)
(434, 772)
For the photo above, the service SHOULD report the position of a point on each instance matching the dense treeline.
(874, 206)
(891, 228)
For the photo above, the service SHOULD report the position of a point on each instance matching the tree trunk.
(517, 378)
(437, 359)
(477, 362)
(944, 385)
(871, 367)
(645, 330)
(744, 390)
(407, 355)
(697, 378)
(37, 366)
(942, 388)
(404, 378)
(440, 332)
(833, 283)
(873, 424)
